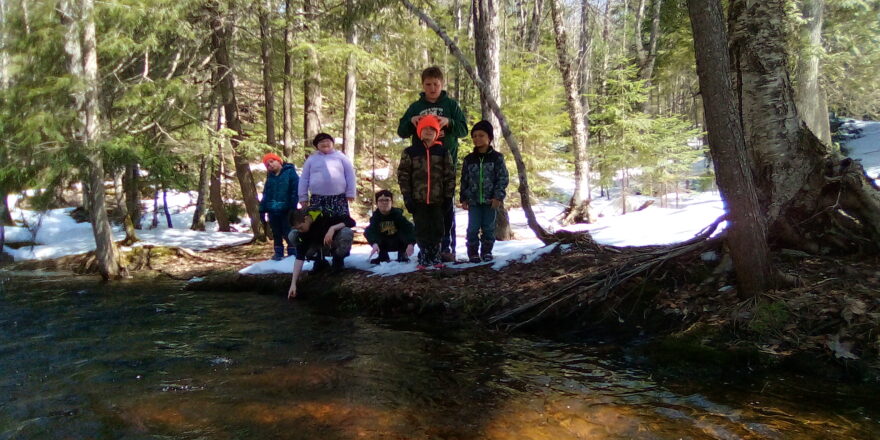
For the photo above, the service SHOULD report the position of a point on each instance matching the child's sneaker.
(439, 266)
(421, 267)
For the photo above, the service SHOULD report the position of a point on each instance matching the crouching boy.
(389, 231)
(319, 235)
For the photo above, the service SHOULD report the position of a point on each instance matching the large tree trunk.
(216, 189)
(198, 220)
(287, 99)
(810, 97)
(533, 36)
(81, 46)
(647, 52)
(585, 59)
(487, 48)
(312, 82)
(814, 200)
(350, 114)
(123, 205)
(747, 231)
(266, 57)
(226, 90)
(5, 212)
(502, 120)
(578, 208)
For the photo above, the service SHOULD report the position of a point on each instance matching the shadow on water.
(144, 359)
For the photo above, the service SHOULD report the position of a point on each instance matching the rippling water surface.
(139, 360)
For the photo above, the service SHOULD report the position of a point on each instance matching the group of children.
(426, 177)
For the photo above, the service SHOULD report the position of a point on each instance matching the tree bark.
(747, 231)
(350, 114)
(533, 38)
(523, 187)
(198, 220)
(226, 90)
(123, 205)
(81, 46)
(5, 212)
(487, 48)
(217, 204)
(287, 99)
(585, 59)
(132, 194)
(311, 82)
(811, 195)
(810, 97)
(266, 56)
(578, 208)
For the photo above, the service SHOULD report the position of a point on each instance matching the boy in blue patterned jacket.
(483, 187)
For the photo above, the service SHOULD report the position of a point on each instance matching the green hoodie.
(445, 107)
(391, 224)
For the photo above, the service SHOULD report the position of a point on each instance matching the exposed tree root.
(597, 286)
(576, 213)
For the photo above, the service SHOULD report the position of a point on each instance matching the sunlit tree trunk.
(312, 81)
(747, 231)
(810, 97)
(216, 186)
(123, 205)
(198, 220)
(350, 114)
(226, 91)
(533, 36)
(814, 199)
(487, 48)
(130, 183)
(287, 99)
(81, 47)
(585, 58)
(578, 208)
(266, 57)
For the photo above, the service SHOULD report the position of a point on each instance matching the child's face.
(304, 226)
(432, 88)
(325, 146)
(480, 138)
(384, 204)
(429, 135)
(273, 165)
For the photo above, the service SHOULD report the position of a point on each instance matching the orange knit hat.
(428, 121)
(271, 156)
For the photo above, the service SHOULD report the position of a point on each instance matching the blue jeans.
(481, 217)
(280, 229)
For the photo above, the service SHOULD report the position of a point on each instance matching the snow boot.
(279, 253)
(486, 251)
(473, 251)
(382, 258)
(338, 264)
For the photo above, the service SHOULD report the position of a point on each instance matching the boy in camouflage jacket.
(483, 187)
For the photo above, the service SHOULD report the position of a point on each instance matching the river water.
(144, 360)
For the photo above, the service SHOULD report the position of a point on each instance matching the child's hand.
(443, 121)
(409, 250)
(464, 205)
(291, 293)
(328, 238)
(374, 250)
(495, 203)
(415, 120)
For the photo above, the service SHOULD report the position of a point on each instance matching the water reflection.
(146, 360)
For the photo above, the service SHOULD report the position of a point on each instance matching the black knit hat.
(484, 126)
(320, 137)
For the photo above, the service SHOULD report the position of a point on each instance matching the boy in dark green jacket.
(389, 231)
(453, 125)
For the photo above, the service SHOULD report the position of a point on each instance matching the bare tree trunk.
(266, 56)
(578, 208)
(287, 99)
(216, 183)
(198, 220)
(534, 30)
(487, 47)
(585, 59)
(312, 82)
(815, 200)
(502, 120)
(350, 114)
(5, 212)
(747, 232)
(165, 207)
(122, 204)
(155, 222)
(81, 46)
(226, 90)
(810, 97)
(132, 194)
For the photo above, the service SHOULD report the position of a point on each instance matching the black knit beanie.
(484, 126)
(320, 137)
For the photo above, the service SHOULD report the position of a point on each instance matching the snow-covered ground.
(59, 235)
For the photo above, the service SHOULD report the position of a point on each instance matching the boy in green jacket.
(453, 125)
(389, 231)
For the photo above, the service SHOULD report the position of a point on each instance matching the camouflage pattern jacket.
(426, 175)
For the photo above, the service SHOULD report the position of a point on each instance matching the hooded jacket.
(426, 174)
(483, 177)
(391, 224)
(445, 107)
(279, 192)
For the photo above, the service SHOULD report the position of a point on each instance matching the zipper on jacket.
(482, 200)
(428, 195)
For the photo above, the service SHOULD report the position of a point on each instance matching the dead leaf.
(842, 350)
